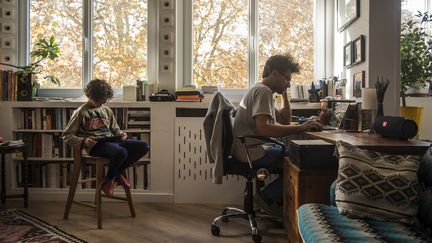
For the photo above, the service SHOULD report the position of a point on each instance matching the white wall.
(379, 22)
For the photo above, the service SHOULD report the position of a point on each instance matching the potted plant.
(416, 61)
(44, 49)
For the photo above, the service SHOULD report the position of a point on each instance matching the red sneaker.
(108, 187)
(124, 182)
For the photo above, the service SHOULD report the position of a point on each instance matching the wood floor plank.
(154, 222)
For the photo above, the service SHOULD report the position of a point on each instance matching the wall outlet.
(8, 13)
(8, 28)
(166, 4)
(166, 67)
(167, 20)
(7, 43)
(166, 51)
(167, 37)
(7, 58)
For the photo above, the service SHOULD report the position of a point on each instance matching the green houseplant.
(44, 49)
(416, 61)
(416, 56)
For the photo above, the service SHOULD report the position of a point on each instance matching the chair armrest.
(262, 138)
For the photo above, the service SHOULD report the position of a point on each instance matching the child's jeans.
(122, 154)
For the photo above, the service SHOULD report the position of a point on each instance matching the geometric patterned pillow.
(376, 185)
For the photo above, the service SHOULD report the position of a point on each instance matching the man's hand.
(124, 136)
(311, 126)
(90, 141)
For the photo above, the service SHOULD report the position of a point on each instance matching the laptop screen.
(338, 114)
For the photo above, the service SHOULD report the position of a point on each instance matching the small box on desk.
(316, 154)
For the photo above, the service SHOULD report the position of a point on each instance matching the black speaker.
(395, 127)
(24, 87)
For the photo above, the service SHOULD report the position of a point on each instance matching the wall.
(379, 22)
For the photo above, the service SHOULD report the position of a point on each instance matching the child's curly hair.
(99, 90)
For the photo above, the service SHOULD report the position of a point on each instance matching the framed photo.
(358, 84)
(347, 11)
(358, 50)
(347, 58)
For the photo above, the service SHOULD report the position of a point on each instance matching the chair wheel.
(256, 238)
(215, 230)
(225, 219)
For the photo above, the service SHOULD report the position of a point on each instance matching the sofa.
(325, 223)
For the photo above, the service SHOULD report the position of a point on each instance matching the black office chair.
(235, 167)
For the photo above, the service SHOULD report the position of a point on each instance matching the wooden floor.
(155, 222)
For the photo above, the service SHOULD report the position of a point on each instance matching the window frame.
(87, 43)
(322, 61)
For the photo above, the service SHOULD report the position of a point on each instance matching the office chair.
(231, 166)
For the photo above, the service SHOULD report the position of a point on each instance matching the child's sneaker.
(123, 181)
(108, 187)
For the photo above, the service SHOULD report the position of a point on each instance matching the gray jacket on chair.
(213, 134)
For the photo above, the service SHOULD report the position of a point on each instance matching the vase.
(380, 110)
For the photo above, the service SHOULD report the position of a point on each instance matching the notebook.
(338, 115)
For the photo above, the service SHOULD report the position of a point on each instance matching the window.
(224, 39)
(111, 44)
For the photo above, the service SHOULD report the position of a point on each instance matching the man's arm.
(283, 116)
(276, 130)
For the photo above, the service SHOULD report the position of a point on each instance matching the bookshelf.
(40, 125)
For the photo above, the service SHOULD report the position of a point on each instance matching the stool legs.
(99, 181)
(72, 188)
(129, 197)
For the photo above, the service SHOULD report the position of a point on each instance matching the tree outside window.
(119, 39)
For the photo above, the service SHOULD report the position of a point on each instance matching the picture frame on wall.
(347, 54)
(358, 84)
(347, 12)
(358, 50)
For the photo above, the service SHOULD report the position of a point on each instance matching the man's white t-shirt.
(257, 101)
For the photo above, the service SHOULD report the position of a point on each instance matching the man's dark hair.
(280, 63)
(99, 90)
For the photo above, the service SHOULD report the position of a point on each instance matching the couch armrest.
(333, 193)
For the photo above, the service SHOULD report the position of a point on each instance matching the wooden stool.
(82, 160)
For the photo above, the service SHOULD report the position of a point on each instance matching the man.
(257, 115)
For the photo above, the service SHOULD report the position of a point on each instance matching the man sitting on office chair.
(257, 115)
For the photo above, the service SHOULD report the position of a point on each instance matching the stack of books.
(189, 95)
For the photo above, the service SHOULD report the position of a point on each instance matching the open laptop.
(338, 116)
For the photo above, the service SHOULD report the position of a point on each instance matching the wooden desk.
(373, 142)
(311, 184)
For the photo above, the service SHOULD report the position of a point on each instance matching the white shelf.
(39, 130)
(43, 159)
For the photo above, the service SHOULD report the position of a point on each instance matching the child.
(93, 120)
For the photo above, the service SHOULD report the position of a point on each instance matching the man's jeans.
(273, 161)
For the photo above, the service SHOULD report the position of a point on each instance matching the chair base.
(215, 230)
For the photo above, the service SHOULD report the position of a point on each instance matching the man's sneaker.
(123, 181)
(267, 205)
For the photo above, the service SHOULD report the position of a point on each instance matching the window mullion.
(87, 43)
(253, 42)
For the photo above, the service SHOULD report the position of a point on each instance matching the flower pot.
(414, 113)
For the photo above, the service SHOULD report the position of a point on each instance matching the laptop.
(338, 116)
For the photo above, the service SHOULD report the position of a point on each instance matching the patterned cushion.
(323, 223)
(376, 185)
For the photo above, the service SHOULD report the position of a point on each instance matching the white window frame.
(87, 43)
(323, 36)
